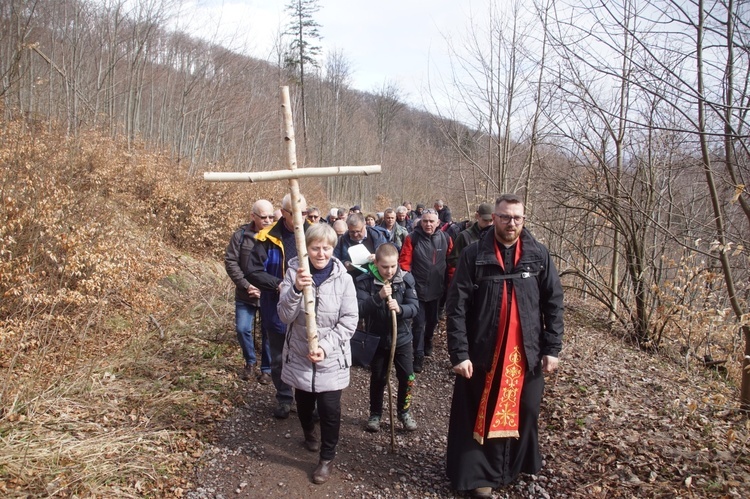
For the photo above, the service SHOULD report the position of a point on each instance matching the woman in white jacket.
(319, 377)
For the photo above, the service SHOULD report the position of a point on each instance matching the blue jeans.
(244, 318)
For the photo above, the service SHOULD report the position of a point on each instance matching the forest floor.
(615, 422)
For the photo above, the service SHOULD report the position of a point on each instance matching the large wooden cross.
(293, 175)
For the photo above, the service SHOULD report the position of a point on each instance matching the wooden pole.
(394, 334)
(299, 221)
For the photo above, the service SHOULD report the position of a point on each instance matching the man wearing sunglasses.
(505, 327)
(313, 216)
(246, 296)
(274, 248)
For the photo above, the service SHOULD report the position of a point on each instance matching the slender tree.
(303, 48)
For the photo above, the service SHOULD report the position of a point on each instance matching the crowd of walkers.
(494, 283)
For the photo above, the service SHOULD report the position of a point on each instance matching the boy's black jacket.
(375, 312)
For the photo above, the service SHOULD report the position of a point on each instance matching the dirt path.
(615, 423)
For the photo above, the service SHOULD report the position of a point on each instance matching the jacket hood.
(398, 277)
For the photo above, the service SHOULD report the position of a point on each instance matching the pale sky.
(398, 41)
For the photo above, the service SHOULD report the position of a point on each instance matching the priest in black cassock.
(505, 327)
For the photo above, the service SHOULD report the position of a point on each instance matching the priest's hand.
(549, 364)
(465, 369)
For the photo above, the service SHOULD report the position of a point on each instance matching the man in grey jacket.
(236, 262)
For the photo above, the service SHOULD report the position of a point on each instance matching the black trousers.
(424, 324)
(378, 376)
(329, 410)
(283, 391)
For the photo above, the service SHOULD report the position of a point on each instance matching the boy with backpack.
(385, 288)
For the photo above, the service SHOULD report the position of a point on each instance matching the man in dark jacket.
(237, 264)
(274, 247)
(424, 254)
(505, 327)
(444, 213)
(416, 214)
(482, 223)
(358, 233)
(403, 220)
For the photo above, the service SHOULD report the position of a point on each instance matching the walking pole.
(388, 376)
(258, 351)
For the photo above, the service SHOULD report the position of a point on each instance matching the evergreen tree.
(303, 30)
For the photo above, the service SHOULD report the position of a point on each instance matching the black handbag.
(363, 346)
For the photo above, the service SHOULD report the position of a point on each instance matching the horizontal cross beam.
(325, 171)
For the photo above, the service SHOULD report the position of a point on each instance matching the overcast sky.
(398, 41)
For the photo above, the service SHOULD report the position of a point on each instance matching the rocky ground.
(615, 423)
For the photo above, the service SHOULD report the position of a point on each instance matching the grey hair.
(355, 219)
(286, 202)
(401, 209)
(260, 204)
(321, 232)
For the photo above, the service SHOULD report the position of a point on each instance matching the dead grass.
(124, 424)
(95, 398)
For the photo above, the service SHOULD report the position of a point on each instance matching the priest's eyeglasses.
(518, 219)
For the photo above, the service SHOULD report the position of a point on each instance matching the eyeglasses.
(263, 217)
(518, 219)
(314, 217)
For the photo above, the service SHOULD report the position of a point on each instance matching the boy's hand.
(385, 291)
(393, 305)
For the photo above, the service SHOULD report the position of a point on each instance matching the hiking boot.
(282, 411)
(322, 472)
(408, 421)
(428, 348)
(373, 424)
(311, 441)
(246, 372)
(264, 378)
(418, 364)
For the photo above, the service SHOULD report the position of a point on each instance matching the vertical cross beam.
(293, 175)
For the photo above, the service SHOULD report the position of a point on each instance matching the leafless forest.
(623, 123)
